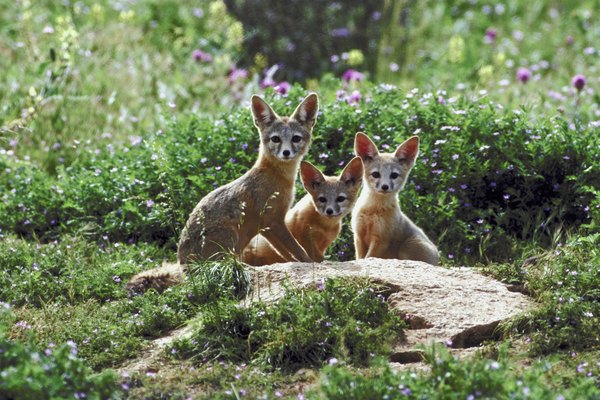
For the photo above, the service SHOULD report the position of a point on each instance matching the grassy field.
(116, 117)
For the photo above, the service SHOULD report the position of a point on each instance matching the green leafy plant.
(450, 378)
(305, 327)
(56, 372)
(565, 282)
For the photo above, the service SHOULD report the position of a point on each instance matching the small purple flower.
(578, 82)
(201, 56)
(352, 75)
(523, 75)
(236, 74)
(117, 279)
(267, 82)
(569, 41)
(490, 35)
(332, 361)
(283, 88)
(149, 203)
(340, 32)
(354, 98)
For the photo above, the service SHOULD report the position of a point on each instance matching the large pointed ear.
(364, 146)
(311, 176)
(306, 112)
(409, 150)
(353, 173)
(262, 112)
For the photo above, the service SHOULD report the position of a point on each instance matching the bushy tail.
(167, 275)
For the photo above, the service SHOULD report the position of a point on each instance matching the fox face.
(285, 138)
(386, 172)
(331, 196)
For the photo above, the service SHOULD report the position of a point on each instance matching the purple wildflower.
(354, 98)
(523, 75)
(490, 35)
(340, 32)
(283, 88)
(236, 74)
(201, 56)
(578, 82)
(352, 75)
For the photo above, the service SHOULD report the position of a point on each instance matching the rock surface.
(458, 306)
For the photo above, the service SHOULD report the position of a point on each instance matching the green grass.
(111, 131)
(449, 378)
(304, 328)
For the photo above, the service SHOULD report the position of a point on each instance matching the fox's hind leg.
(206, 243)
(419, 250)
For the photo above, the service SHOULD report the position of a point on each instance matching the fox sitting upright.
(316, 220)
(227, 218)
(380, 227)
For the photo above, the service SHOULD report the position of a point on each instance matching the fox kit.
(316, 220)
(227, 218)
(380, 228)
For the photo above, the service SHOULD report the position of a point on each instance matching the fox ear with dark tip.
(364, 147)
(312, 178)
(263, 114)
(409, 150)
(306, 112)
(353, 173)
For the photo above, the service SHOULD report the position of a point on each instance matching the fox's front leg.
(360, 247)
(376, 248)
(280, 237)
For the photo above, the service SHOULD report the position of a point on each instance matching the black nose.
(384, 187)
(329, 211)
(286, 153)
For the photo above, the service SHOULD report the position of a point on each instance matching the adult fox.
(226, 219)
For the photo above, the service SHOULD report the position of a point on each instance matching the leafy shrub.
(30, 372)
(450, 378)
(566, 283)
(485, 180)
(303, 328)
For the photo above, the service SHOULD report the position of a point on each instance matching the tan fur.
(168, 274)
(309, 220)
(225, 220)
(380, 227)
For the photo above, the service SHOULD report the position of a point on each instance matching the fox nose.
(286, 153)
(329, 211)
(384, 188)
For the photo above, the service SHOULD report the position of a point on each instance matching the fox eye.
(275, 139)
(322, 199)
(340, 199)
(375, 174)
(296, 138)
(394, 175)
